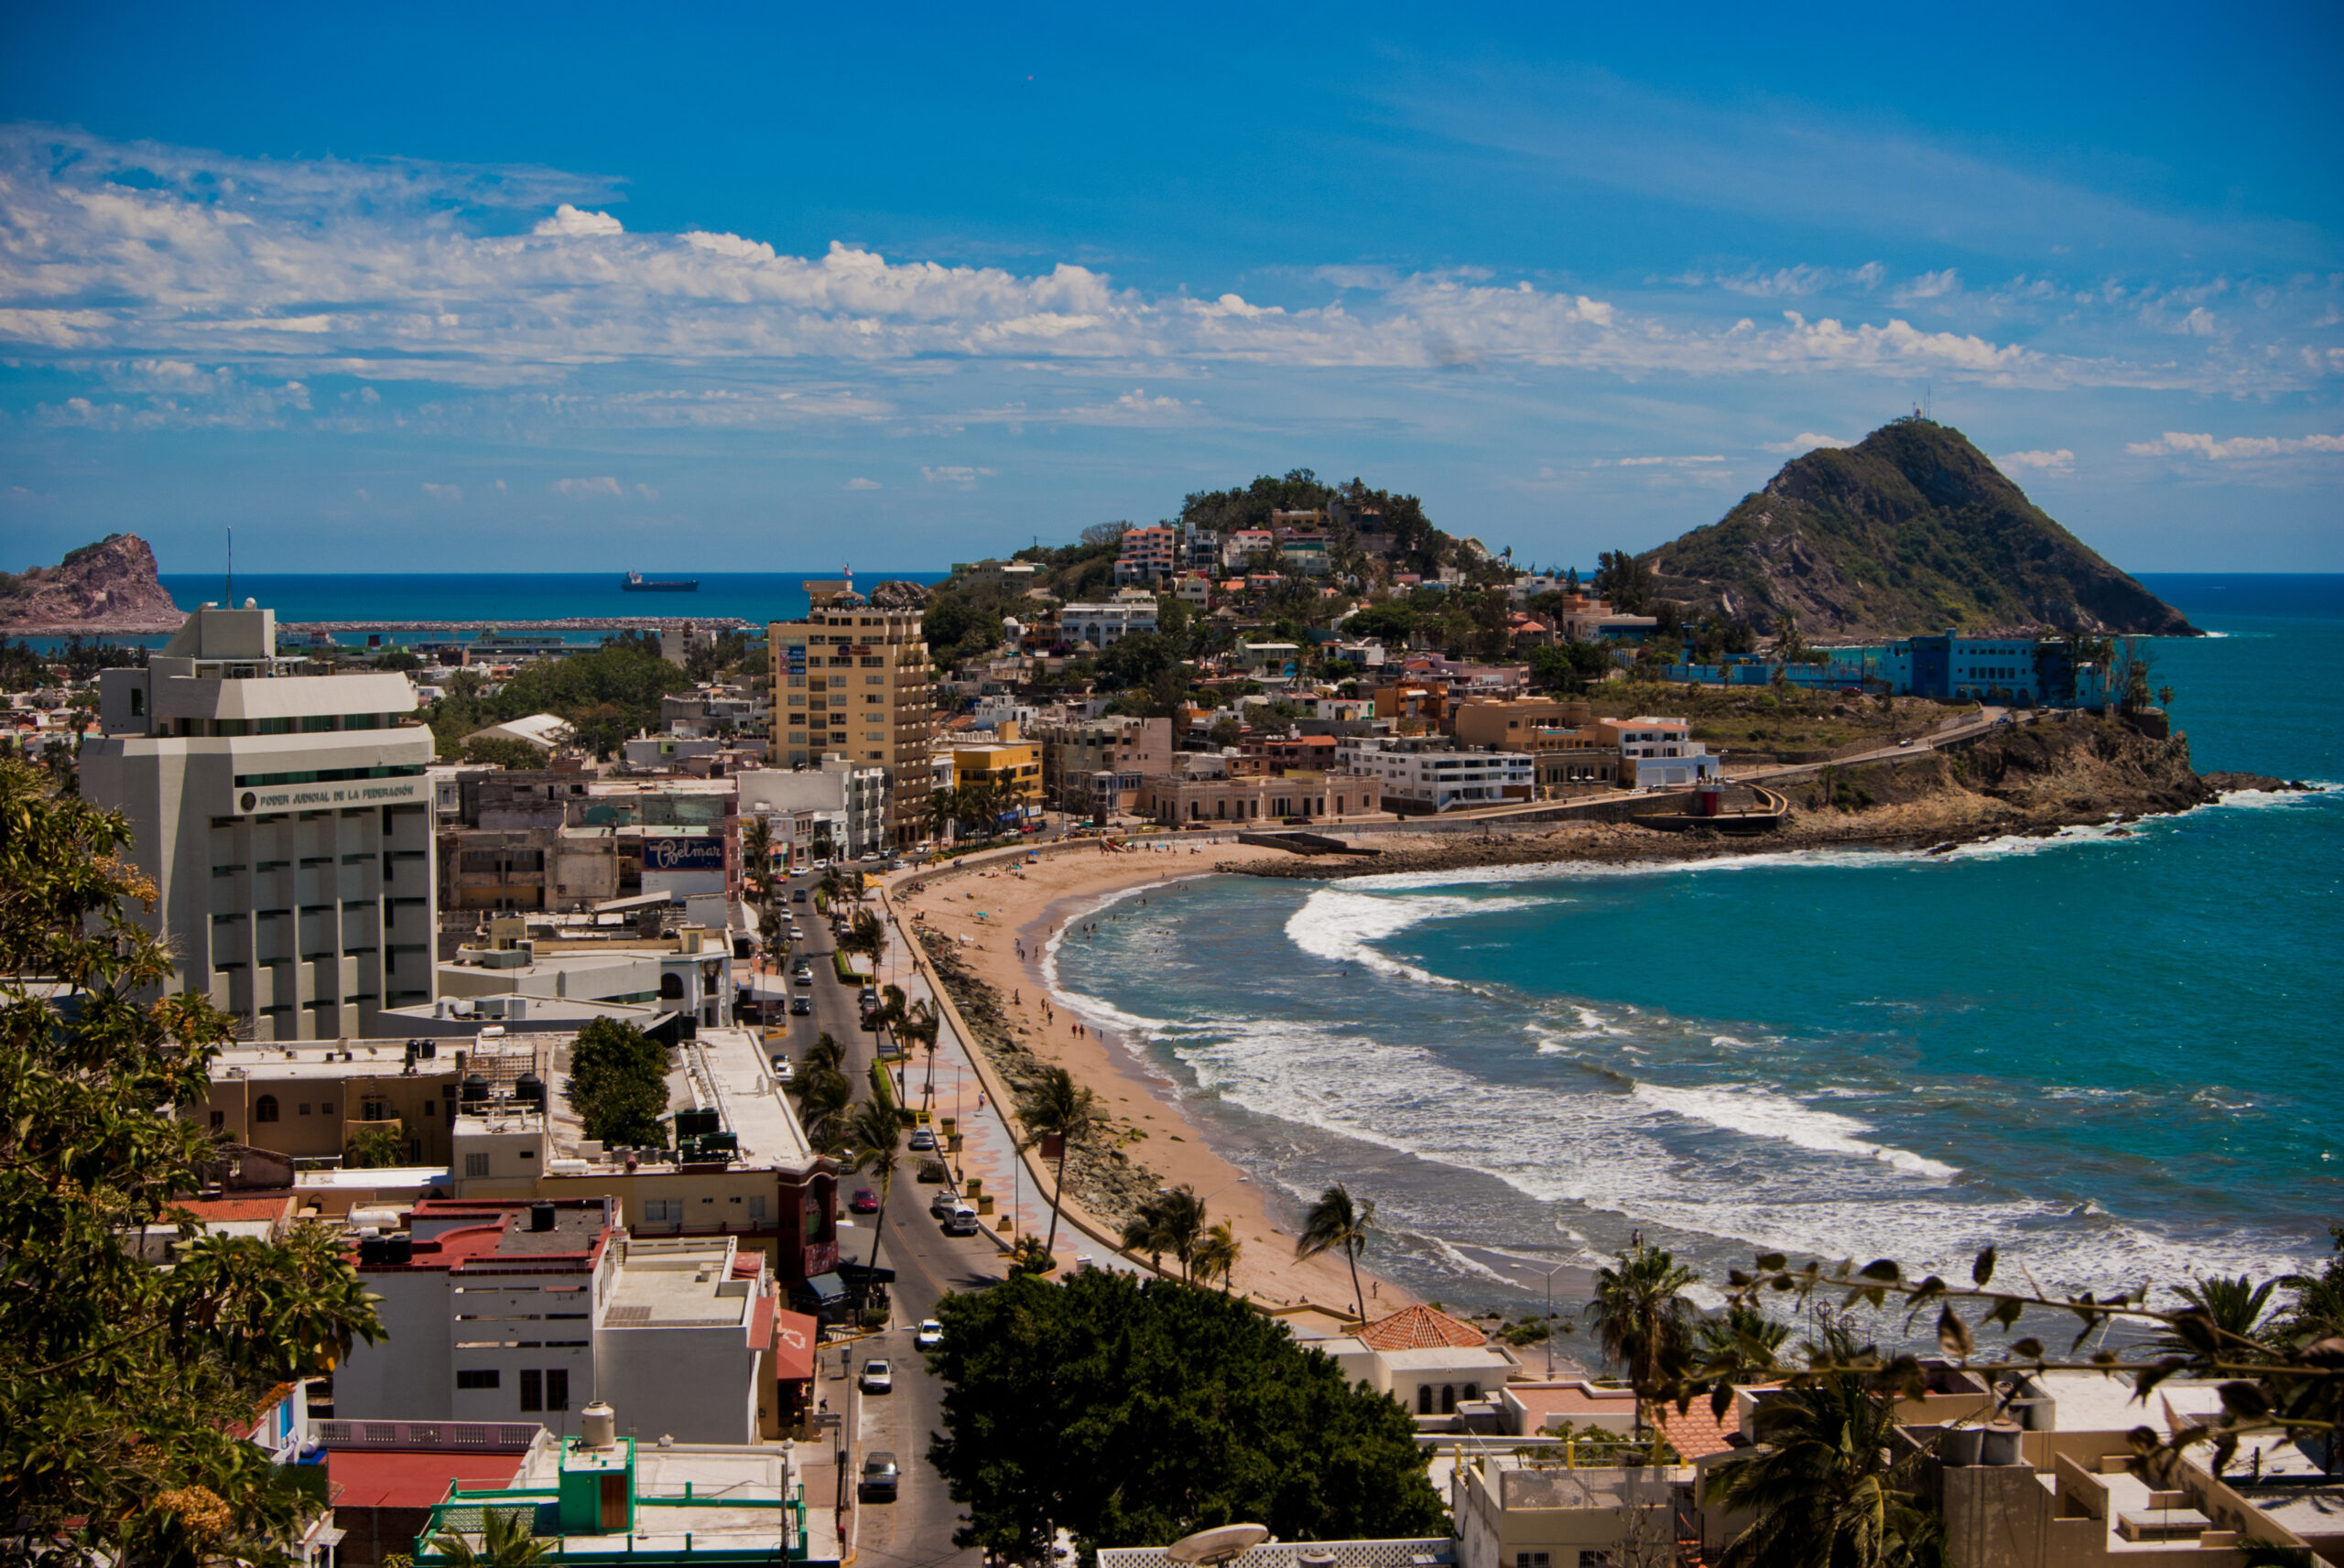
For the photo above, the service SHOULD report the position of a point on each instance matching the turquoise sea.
(2114, 1054)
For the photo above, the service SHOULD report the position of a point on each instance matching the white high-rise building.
(286, 820)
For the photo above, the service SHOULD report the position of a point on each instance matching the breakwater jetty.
(567, 624)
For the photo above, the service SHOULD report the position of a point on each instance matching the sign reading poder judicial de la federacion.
(330, 796)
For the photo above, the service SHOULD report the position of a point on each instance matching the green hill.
(1911, 530)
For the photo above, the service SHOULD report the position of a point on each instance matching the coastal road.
(1969, 730)
(916, 1530)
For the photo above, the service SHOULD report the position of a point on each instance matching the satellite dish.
(1210, 1546)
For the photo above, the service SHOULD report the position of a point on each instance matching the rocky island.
(110, 586)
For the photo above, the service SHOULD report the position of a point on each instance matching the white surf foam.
(1342, 926)
(1758, 1114)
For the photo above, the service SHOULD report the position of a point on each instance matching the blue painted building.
(2019, 672)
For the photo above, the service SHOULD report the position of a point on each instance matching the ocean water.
(2110, 1053)
(514, 596)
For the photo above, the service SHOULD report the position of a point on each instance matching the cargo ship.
(636, 582)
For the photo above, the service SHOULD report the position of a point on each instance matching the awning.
(825, 1287)
(794, 1334)
(864, 1274)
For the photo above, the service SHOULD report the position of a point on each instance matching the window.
(1532, 1560)
(1423, 1399)
(138, 703)
(558, 1388)
(265, 1109)
(478, 1378)
(304, 1109)
(475, 1164)
(533, 1393)
(219, 1119)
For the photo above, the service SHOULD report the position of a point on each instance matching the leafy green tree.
(618, 1084)
(124, 1388)
(2235, 1308)
(1642, 1319)
(397, 661)
(1390, 623)
(1336, 1223)
(1822, 1487)
(504, 751)
(1569, 667)
(1132, 1414)
(1055, 1107)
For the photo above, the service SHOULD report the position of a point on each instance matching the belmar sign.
(332, 797)
(682, 852)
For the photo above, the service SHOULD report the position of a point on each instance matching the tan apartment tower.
(286, 820)
(853, 680)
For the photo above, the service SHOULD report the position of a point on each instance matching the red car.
(864, 1201)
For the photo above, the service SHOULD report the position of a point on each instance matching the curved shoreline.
(1000, 916)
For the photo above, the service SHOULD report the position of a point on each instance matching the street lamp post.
(1550, 1317)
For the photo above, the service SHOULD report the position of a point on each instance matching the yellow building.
(1014, 765)
(854, 680)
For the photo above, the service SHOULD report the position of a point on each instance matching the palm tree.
(826, 1054)
(1055, 1106)
(757, 858)
(1216, 1256)
(2233, 1316)
(920, 1028)
(1172, 1221)
(1741, 1344)
(1335, 1221)
(823, 1097)
(1642, 1319)
(1822, 1487)
(873, 1143)
(506, 1542)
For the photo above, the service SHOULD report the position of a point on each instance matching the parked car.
(785, 1071)
(864, 1201)
(880, 1475)
(923, 1142)
(801, 1005)
(941, 1205)
(961, 1221)
(929, 1335)
(878, 1378)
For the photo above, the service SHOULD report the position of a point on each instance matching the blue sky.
(512, 289)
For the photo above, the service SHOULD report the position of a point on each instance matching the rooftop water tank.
(475, 1089)
(541, 1216)
(598, 1425)
(529, 1089)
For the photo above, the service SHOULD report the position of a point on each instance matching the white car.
(929, 1335)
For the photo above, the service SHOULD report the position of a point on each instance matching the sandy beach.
(1008, 914)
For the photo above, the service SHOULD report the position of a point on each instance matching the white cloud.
(1795, 281)
(2061, 461)
(645, 492)
(1133, 408)
(1929, 286)
(2177, 443)
(588, 489)
(444, 493)
(962, 477)
(1804, 442)
(570, 221)
(863, 485)
(377, 271)
(1666, 462)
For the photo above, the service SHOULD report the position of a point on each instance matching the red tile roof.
(1695, 1432)
(402, 1478)
(1420, 1328)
